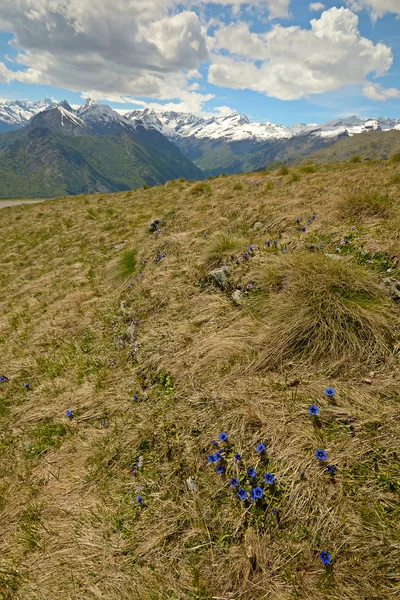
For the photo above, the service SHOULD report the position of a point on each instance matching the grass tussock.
(365, 204)
(319, 310)
(201, 189)
(223, 247)
(127, 264)
(355, 159)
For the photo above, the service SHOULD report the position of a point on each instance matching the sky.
(282, 61)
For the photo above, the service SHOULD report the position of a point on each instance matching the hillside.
(134, 371)
(59, 152)
(372, 144)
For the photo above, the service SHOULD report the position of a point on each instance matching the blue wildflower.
(303, 228)
(268, 243)
(260, 448)
(313, 410)
(69, 413)
(320, 454)
(214, 443)
(26, 386)
(269, 478)
(242, 494)
(3, 378)
(297, 220)
(211, 458)
(325, 557)
(223, 437)
(204, 235)
(251, 472)
(217, 457)
(237, 456)
(308, 220)
(234, 482)
(274, 512)
(330, 392)
(275, 242)
(330, 469)
(220, 470)
(250, 248)
(313, 217)
(303, 475)
(245, 256)
(136, 398)
(256, 493)
(139, 500)
(237, 261)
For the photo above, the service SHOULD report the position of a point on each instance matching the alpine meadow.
(200, 391)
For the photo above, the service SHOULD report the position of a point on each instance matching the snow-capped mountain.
(59, 120)
(17, 113)
(176, 126)
(236, 127)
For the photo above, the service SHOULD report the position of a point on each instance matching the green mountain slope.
(41, 163)
(214, 157)
(370, 144)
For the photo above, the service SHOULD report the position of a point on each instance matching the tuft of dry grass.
(320, 310)
(365, 204)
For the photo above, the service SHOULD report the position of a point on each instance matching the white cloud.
(316, 6)
(378, 8)
(375, 91)
(117, 48)
(298, 62)
(4, 73)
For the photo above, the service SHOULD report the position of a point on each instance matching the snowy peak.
(66, 105)
(17, 113)
(59, 120)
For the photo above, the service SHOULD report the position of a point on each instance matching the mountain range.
(49, 148)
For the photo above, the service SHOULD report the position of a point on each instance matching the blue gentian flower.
(274, 512)
(3, 378)
(275, 242)
(269, 478)
(268, 243)
(321, 454)
(297, 220)
(250, 248)
(303, 475)
(223, 437)
(303, 228)
(234, 482)
(69, 413)
(26, 386)
(220, 470)
(237, 456)
(313, 410)
(204, 235)
(214, 443)
(217, 457)
(256, 493)
(139, 500)
(211, 458)
(330, 469)
(325, 557)
(237, 261)
(242, 494)
(251, 472)
(330, 392)
(245, 256)
(308, 220)
(136, 398)
(260, 448)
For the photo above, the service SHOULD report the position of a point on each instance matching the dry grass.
(365, 204)
(71, 528)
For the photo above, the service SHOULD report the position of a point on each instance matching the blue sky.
(282, 61)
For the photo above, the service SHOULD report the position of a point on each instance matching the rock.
(393, 287)
(127, 338)
(220, 276)
(120, 246)
(367, 159)
(367, 380)
(335, 256)
(237, 297)
(154, 225)
(191, 484)
(258, 226)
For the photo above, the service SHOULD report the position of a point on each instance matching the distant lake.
(5, 203)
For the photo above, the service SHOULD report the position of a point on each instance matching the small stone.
(119, 246)
(393, 286)
(127, 338)
(367, 380)
(154, 225)
(220, 276)
(191, 484)
(237, 297)
(258, 226)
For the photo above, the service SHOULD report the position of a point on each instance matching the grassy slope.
(70, 527)
(371, 144)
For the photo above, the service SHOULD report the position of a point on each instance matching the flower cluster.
(244, 481)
